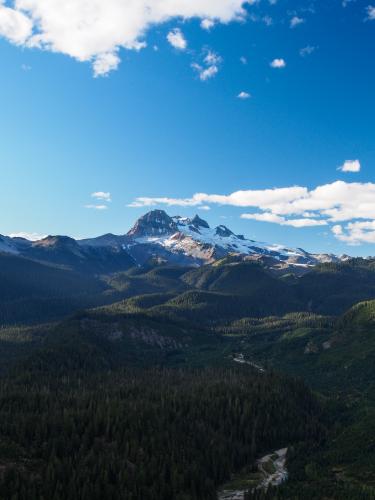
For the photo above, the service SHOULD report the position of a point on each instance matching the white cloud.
(351, 166)
(95, 30)
(278, 63)
(244, 95)
(297, 206)
(144, 201)
(210, 66)
(28, 236)
(97, 207)
(212, 58)
(102, 195)
(177, 39)
(263, 198)
(277, 219)
(14, 25)
(105, 63)
(205, 73)
(370, 13)
(296, 21)
(264, 217)
(305, 222)
(207, 24)
(355, 233)
(243, 60)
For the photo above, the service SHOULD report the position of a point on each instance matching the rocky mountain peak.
(223, 231)
(156, 223)
(56, 242)
(198, 222)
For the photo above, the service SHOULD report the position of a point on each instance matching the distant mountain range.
(162, 238)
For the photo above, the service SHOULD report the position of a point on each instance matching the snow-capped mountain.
(194, 240)
(156, 235)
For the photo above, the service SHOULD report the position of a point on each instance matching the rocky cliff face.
(156, 223)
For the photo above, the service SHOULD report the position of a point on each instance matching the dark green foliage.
(144, 434)
(145, 280)
(107, 338)
(76, 424)
(239, 278)
(33, 291)
(333, 288)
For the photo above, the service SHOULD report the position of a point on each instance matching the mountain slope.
(157, 236)
(34, 291)
(66, 251)
(333, 288)
(195, 239)
(191, 241)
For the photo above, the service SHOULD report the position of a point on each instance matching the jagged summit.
(193, 240)
(195, 222)
(155, 223)
(198, 222)
(224, 232)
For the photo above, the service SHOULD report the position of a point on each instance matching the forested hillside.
(154, 434)
(100, 402)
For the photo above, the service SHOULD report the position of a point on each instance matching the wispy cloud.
(209, 66)
(97, 207)
(306, 51)
(102, 198)
(370, 11)
(268, 21)
(282, 221)
(102, 195)
(296, 21)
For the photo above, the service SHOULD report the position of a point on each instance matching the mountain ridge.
(172, 239)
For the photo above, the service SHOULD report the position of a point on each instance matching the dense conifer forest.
(145, 435)
(172, 392)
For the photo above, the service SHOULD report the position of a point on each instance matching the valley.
(245, 352)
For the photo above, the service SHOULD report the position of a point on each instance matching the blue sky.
(161, 123)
